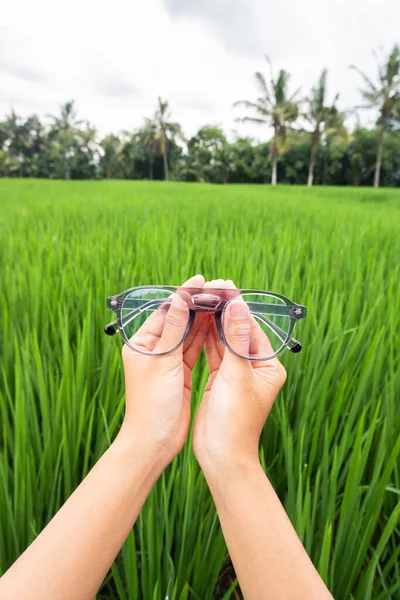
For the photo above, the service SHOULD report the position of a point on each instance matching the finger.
(198, 337)
(151, 330)
(214, 345)
(214, 355)
(260, 346)
(177, 317)
(237, 328)
(201, 323)
(149, 333)
(197, 324)
(195, 340)
(229, 288)
(259, 342)
(237, 332)
(217, 340)
(225, 285)
(195, 281)
(155, 322)
(176, 322)
(215, 283)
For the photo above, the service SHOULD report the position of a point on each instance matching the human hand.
(158, 388)
(239, 393)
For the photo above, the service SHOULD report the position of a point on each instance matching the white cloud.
(115, 59)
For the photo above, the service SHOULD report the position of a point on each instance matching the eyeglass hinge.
(298, 312)
(114, 303)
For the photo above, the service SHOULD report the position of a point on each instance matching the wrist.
(224, 469)
(229, 482)
(136, 453)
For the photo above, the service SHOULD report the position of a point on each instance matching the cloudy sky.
(115, 58)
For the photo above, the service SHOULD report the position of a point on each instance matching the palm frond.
(251, 120)
(267, 58)
(392, 66)
(360, 107)
(272, 107)
(281, 86)
(371, 97)
(262, 84)
(321, 89)
(260, 80)
(293, 96)
(264, 104)
(365, 77)
(252, 105)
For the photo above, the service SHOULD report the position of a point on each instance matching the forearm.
(72, 555)
(268, 557)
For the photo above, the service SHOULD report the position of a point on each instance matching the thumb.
(176, 322)
(237, 332)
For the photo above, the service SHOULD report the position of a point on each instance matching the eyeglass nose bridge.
(206, 302)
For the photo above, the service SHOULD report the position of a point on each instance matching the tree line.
(310, 141)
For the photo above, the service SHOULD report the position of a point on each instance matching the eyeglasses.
(144, 316)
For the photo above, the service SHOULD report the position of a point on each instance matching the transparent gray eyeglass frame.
(213, 300)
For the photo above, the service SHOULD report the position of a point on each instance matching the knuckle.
(128, 352)
(175, 318)
(241, 375)
(241, 331)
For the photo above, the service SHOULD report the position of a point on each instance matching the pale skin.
(73, 554)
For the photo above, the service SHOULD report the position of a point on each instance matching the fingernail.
(238, 310)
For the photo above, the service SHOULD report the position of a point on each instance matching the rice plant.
(331, 445)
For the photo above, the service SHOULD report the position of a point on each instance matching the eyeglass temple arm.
(112, 328)
(293, 344)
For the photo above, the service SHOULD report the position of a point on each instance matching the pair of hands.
(237, 399)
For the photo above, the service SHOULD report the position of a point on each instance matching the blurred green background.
(331, 444)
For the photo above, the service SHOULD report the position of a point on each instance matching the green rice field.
(331, 445)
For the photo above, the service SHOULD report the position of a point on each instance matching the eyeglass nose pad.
(207, 302)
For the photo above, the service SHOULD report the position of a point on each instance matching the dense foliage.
(331, 444)
(310, 141)
(32, 150)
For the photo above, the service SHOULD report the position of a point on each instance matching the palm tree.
(17, 140)
(335, 132)
(64, 127)
(384, 96)
(8, 164)
(90, 146)
(319, 116)
(166, 131)
(110, 160)
(275, 109)
(149, 138)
